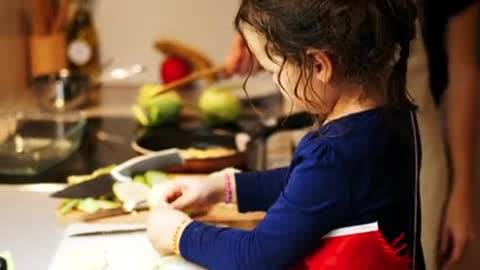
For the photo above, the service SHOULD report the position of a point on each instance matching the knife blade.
(102, 185)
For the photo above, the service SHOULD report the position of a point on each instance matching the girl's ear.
(322, 65)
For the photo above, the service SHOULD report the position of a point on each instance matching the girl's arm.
(315, 200)
(257, 191)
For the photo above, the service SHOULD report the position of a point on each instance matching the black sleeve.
(453, 7)
(437, 15)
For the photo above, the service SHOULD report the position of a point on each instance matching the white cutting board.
(110, 252)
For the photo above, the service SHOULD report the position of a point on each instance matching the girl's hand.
(164, 229)
(189, 193)
(240, 60)
(458, 229)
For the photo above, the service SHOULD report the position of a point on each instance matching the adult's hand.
(240, 61)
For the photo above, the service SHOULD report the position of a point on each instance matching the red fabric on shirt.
(359, 251)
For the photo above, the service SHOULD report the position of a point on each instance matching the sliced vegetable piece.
(68, 205)
(131, 191)
(106, 204)
(140, 179)
(88, 206)
(156, 177)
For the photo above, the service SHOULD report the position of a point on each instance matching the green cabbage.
(158, 110)
(220, 106)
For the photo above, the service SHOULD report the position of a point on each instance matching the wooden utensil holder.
(48, 54)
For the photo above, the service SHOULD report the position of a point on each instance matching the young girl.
(349, 199)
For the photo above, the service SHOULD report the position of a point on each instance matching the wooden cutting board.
(218, 214)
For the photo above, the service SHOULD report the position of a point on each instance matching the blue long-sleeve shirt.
(355, 170)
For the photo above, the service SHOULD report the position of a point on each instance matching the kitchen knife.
(103, 184)
(92, 229)
(109, 232)
(154, 161)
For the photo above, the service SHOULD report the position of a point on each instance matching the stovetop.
(106, 141)
(93, 153)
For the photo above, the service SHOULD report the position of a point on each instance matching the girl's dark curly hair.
(368, 41)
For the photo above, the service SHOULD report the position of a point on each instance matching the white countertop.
(28, 228)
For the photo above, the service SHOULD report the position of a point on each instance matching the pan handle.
(257, 151)
(288, 122)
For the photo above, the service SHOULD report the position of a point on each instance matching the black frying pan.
(159, 139)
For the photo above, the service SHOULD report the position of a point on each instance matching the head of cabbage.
(219, 106)
(152, 110)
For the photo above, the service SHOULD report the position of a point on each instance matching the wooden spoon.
(190, 78)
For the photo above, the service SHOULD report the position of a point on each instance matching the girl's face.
(316, 90)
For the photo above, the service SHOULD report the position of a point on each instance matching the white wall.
(128, 28)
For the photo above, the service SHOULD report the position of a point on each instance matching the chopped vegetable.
(135, 191)
(140, 179)
(68, 206)
(88, 206)
(105, 204)
(153, 178)
(131, 191)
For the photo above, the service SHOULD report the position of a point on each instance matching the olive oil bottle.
(82, 40)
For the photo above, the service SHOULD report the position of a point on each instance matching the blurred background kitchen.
(71, 72)
(49, 63)
(126, 34)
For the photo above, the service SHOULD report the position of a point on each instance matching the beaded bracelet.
(176, 236)
(228, 188)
